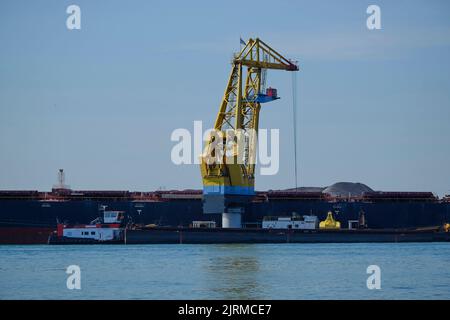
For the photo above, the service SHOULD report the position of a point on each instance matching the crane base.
(231, 220)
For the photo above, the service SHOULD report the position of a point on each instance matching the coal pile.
(347, 189)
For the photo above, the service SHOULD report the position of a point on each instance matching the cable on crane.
(294, 117)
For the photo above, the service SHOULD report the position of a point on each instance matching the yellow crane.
(228, 161)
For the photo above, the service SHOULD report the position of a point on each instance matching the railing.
(58, 195)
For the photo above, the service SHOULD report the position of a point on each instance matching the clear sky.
(101, 102)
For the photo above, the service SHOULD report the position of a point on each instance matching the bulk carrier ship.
(29, 217)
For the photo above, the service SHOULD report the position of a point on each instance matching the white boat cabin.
(92, 232)
(295, 222)
(106, 230)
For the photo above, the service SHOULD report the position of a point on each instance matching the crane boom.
(228, 161)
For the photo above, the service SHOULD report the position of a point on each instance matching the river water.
(258, 271)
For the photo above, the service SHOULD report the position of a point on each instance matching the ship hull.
(25, 235)
(230, 236)
(31, 221)
(55, 240)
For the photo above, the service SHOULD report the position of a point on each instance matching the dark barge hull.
(226, 236)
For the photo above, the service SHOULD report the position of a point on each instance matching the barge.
(167, 235)
(296, 229)
(112, 229)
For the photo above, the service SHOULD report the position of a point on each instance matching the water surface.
(258, 271)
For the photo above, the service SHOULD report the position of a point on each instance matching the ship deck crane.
(228, 161)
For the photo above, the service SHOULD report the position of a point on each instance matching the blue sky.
(101, 102)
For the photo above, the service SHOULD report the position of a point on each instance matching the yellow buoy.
(329, 222)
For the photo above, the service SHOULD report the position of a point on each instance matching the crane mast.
(228, 161)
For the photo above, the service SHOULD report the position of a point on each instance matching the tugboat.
(106, 229)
